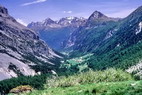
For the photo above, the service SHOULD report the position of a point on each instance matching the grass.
(77, 64)
(110, 75)
(108, 82)
(109, 88)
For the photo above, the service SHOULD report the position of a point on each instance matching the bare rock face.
(17, 45)
(3, 10)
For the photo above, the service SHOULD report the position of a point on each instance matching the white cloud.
(67, 12)
(122, 14)
(21, 22)
(34, 2)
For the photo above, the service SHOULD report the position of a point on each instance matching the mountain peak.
(97, 14)
(48, 21)
(3, 10)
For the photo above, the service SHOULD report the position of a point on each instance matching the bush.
(21, 88)
(110, 75)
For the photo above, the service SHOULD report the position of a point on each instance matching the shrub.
(21, 88)
(110, 75)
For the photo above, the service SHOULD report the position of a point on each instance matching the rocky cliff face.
(20, 47)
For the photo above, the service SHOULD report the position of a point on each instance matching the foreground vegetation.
(105, 82)
(109, 88)
(110, 75)
(37, 82)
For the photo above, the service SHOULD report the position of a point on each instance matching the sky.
(26, 11)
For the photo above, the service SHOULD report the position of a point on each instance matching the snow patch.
(110, 34)
(139, 29)
(70, 18)
(118, 45)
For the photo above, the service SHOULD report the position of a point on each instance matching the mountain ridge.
(61, 28)
(63, 22)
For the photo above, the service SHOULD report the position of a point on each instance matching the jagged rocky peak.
(34, 24)
(45, 23)
(97, 15)
(48, 21)
(3, 10)
(98, 18)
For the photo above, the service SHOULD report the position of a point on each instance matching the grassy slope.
(108, 82)
(110, 88)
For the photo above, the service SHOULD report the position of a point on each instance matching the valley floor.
(104, 88)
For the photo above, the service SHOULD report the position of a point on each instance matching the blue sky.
(26, 11)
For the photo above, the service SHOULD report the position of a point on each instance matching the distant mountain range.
(21, 50)
(56, 32)
(63, 22)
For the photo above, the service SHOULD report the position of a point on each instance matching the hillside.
(114, 43)
(123, 48)
(21, 49)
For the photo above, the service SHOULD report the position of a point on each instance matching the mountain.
(21, 50)
(47, 23)
(56, 32)
(114, 42)
(128, 31)
(96, 29)
(123, 48)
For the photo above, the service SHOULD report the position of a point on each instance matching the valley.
(98, 55)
